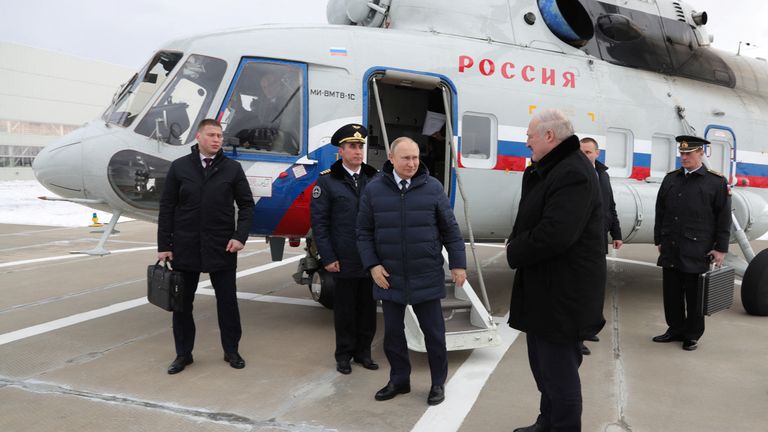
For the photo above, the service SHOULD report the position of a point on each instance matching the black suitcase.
(165, 287)
(716, 290)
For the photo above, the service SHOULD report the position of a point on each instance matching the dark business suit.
(196, 221)
(610, 216)
(693, 217)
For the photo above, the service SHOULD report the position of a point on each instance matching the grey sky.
(127, 33)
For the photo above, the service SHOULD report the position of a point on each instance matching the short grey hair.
(397, 141)
(554, 120)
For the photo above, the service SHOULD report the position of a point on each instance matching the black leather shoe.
(585, 350)
(666, 337)
(367, 363)
(690, 344)
(179, 364)
(234, 360)
(532, 428)
(391, 390)
(343, 367)
(436, 395)
(592, 338)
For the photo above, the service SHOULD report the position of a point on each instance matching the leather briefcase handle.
(166, 263)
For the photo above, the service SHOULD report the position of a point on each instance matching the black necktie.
(207, 162)
(403, 185)
(355, 177)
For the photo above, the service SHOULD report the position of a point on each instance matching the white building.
(45, 95)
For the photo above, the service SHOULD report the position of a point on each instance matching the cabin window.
(663, 155)
(264, 110)
(185, 102)
(478, 140)
(619, 151)
(131, 99)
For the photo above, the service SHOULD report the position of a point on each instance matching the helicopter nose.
(59, 165)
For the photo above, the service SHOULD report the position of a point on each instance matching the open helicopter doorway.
(411, 105)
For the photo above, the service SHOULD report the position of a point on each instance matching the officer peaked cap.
(689, 143)
(352, 132)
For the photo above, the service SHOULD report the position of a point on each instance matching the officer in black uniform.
(334, 214)
(693, 226)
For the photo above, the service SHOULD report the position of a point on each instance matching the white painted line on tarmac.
(119, 307)
(70, 256)
(464, 387)
(70, 320)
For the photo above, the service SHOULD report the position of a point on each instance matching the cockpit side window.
(131, 99)
(263, 114)
(184, 102)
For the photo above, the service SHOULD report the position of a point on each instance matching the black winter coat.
(693, 217)
(610, 217)
(197, 213)
(335, 202)
(405, 232)
(557, 248)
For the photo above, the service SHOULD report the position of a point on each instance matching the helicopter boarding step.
(467, 323)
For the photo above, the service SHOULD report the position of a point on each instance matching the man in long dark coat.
(557, 248)
(198, 232)
(693, 225)
(335, 201)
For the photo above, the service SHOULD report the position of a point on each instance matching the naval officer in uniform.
(334, 208)
(693, 226)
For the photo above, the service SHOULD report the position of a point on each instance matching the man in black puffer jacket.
(405, 219)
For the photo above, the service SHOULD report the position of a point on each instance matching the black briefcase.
(165, 287)
(716, 290)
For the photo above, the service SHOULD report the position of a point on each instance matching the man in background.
(611, 219)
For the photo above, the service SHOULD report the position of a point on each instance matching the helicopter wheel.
(754, 286)
(321, 286)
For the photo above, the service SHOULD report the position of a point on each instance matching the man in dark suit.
(592, 151)
(556, 247)
(334, 216)
(198, 232)
(405, 219)
(693, 226)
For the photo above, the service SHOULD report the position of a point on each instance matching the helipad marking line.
(464, 387)
(70, 256)
(119, 307)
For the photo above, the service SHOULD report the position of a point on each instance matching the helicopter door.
(264, 117)
(721, 152)
(413, 105)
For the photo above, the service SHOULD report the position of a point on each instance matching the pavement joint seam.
(197, 414)
(621, 381)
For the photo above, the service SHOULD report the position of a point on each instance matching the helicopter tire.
(754, 286)
(322, 286)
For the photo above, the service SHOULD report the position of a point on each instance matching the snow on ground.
(19, 205)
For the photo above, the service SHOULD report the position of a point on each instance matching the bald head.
(590, 149)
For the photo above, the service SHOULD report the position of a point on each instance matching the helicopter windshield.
(133, 96)
(184, 102)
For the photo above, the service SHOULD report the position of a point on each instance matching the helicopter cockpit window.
(131, 99)
(185, 101)
(263, 114)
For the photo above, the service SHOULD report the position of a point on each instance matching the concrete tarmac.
(81, 350)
